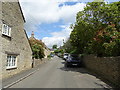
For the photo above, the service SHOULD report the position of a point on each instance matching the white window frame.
(6, 30)
(11, 62)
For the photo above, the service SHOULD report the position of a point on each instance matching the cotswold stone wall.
(17, 43)
(37, 62)
(107, 67)
(0, 45)
(46, 52)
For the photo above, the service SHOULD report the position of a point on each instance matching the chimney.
(32, 34)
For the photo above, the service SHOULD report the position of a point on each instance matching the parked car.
(73, 60)
(65, 56)
(52, 55)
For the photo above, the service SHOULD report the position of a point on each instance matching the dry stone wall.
(106, 67)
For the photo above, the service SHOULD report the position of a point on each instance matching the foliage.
(54, 46)
(97, 29)
(107, 40)
(68, 47)
(37, 48)
(59, 51)
(74, 51)
(34, 41)
(49, 57)
(38, 51)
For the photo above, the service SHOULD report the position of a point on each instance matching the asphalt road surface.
(54, 75)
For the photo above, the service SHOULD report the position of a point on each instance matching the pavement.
(53, 74)
(6, 83)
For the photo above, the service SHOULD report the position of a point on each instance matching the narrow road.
(55, 75)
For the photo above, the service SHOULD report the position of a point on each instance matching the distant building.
(46, 51)
(15, 50)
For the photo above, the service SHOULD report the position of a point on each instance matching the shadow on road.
(75, 69)
(83, 70)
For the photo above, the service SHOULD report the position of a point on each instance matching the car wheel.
(66, 65)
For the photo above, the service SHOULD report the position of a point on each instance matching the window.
(11, 61)
(6, 30)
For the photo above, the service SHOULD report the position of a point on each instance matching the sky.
(50, 19)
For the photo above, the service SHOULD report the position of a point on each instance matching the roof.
(21, 11)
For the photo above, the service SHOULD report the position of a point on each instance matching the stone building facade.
(15, 50)
(46, 52)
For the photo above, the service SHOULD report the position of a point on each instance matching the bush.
(37, 48)
(38, 51)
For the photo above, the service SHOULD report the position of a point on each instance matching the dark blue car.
(73, 60)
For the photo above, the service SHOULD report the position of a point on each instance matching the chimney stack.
(32, 34)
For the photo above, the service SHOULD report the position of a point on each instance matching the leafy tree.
(109, 40)
(67, 46)
(59, 51)
(97, 29)
(37, 48)
(54, 46)
(38, 51)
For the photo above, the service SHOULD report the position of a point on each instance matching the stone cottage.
(15, 50)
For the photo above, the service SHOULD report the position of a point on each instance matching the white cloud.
(37, 12)
(60, 1)
(68, 13)
(58, 37)
(48, 11)
(50, 41)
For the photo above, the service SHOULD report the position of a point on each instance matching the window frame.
(6, 30)
(12, 62)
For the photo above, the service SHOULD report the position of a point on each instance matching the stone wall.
(0, 44)
(37, 62)
(46, 52)
(18, 42)
(107, 67)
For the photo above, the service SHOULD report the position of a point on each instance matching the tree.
(68, 48)
(37, 48)
(38, 51)
(97, 29)
(54, 46)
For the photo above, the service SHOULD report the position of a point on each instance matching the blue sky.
(50, 19)
(47, 29)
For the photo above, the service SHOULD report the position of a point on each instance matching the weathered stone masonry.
(18, 43)
(0, 44)
(107, 67)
